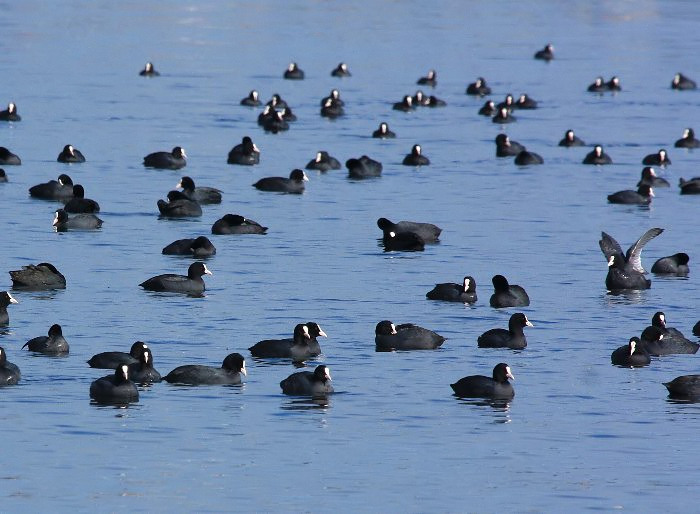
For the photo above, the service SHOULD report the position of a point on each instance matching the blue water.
(580, 433)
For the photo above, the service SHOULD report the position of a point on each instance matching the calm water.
(579, 435)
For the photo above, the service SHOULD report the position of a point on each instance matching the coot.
(513, 338)
(625, 271)
(245, 153)
(201, 195)
(179, 206)
(110, 360)
(306, 383)
(70, 155)
(631, 355)
(173, 160)
(230, 373)
(9, 373)
(115, 389)
(450, 292)
(415, 158)
(479, 386)
(293, 184)
(236, 224)
(53, 344)
(507, 295)
(5, 300)
(40, 276)
(198, 248)
(170, 282)
(408, 336)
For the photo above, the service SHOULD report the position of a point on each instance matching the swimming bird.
(688, 140)
(428, 232)
(341, 71)
(407, 336)
(488, 109)
(334, 96)
(613, 84)
(676, 264)
(527, 158)
(179, 206)
(287, 114)
(53, 344)
(252, 100)
(70, 155)
(479, 386)
(685, 387)
(110, 360)
(41, 276)
(201, 195)
(513, 338)
(273, 121)
(61, 189)
(5, 300)
(364, 167)
(8, 158)
(197, 248)
(450, 292)
(546, 54)
(10, 114)
(293, 72)
(507, 295)
(323, 162)
(306, 383)
(149, 71)
(597, 156)
(115, 388)
(142, 371)
(293, 184)
(173, 160)
(642, 196)
(79, 204)
(650, 178)
(405, 105)
(9, 372)
(332, 109)
(598, 86)
(245, 153)
(625, 271)
(631, 355)
(62, 222)
(507, 148)
(402, 242)
(429, 80)
(434, 101)
(661, 340)
(478, 88)
(3, 176)
(689, 187)
(236, 224)
(681, 82)
(231, 372)
(304, 339)
(657, 159)
(415, 158)
(503, 116)
(277, 102)
(525, 102)
(191, 284)
(383, 132)
(570, 139)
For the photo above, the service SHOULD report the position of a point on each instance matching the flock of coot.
(625, 271)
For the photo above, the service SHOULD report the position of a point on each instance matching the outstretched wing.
(634, 254)
(609, 246)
